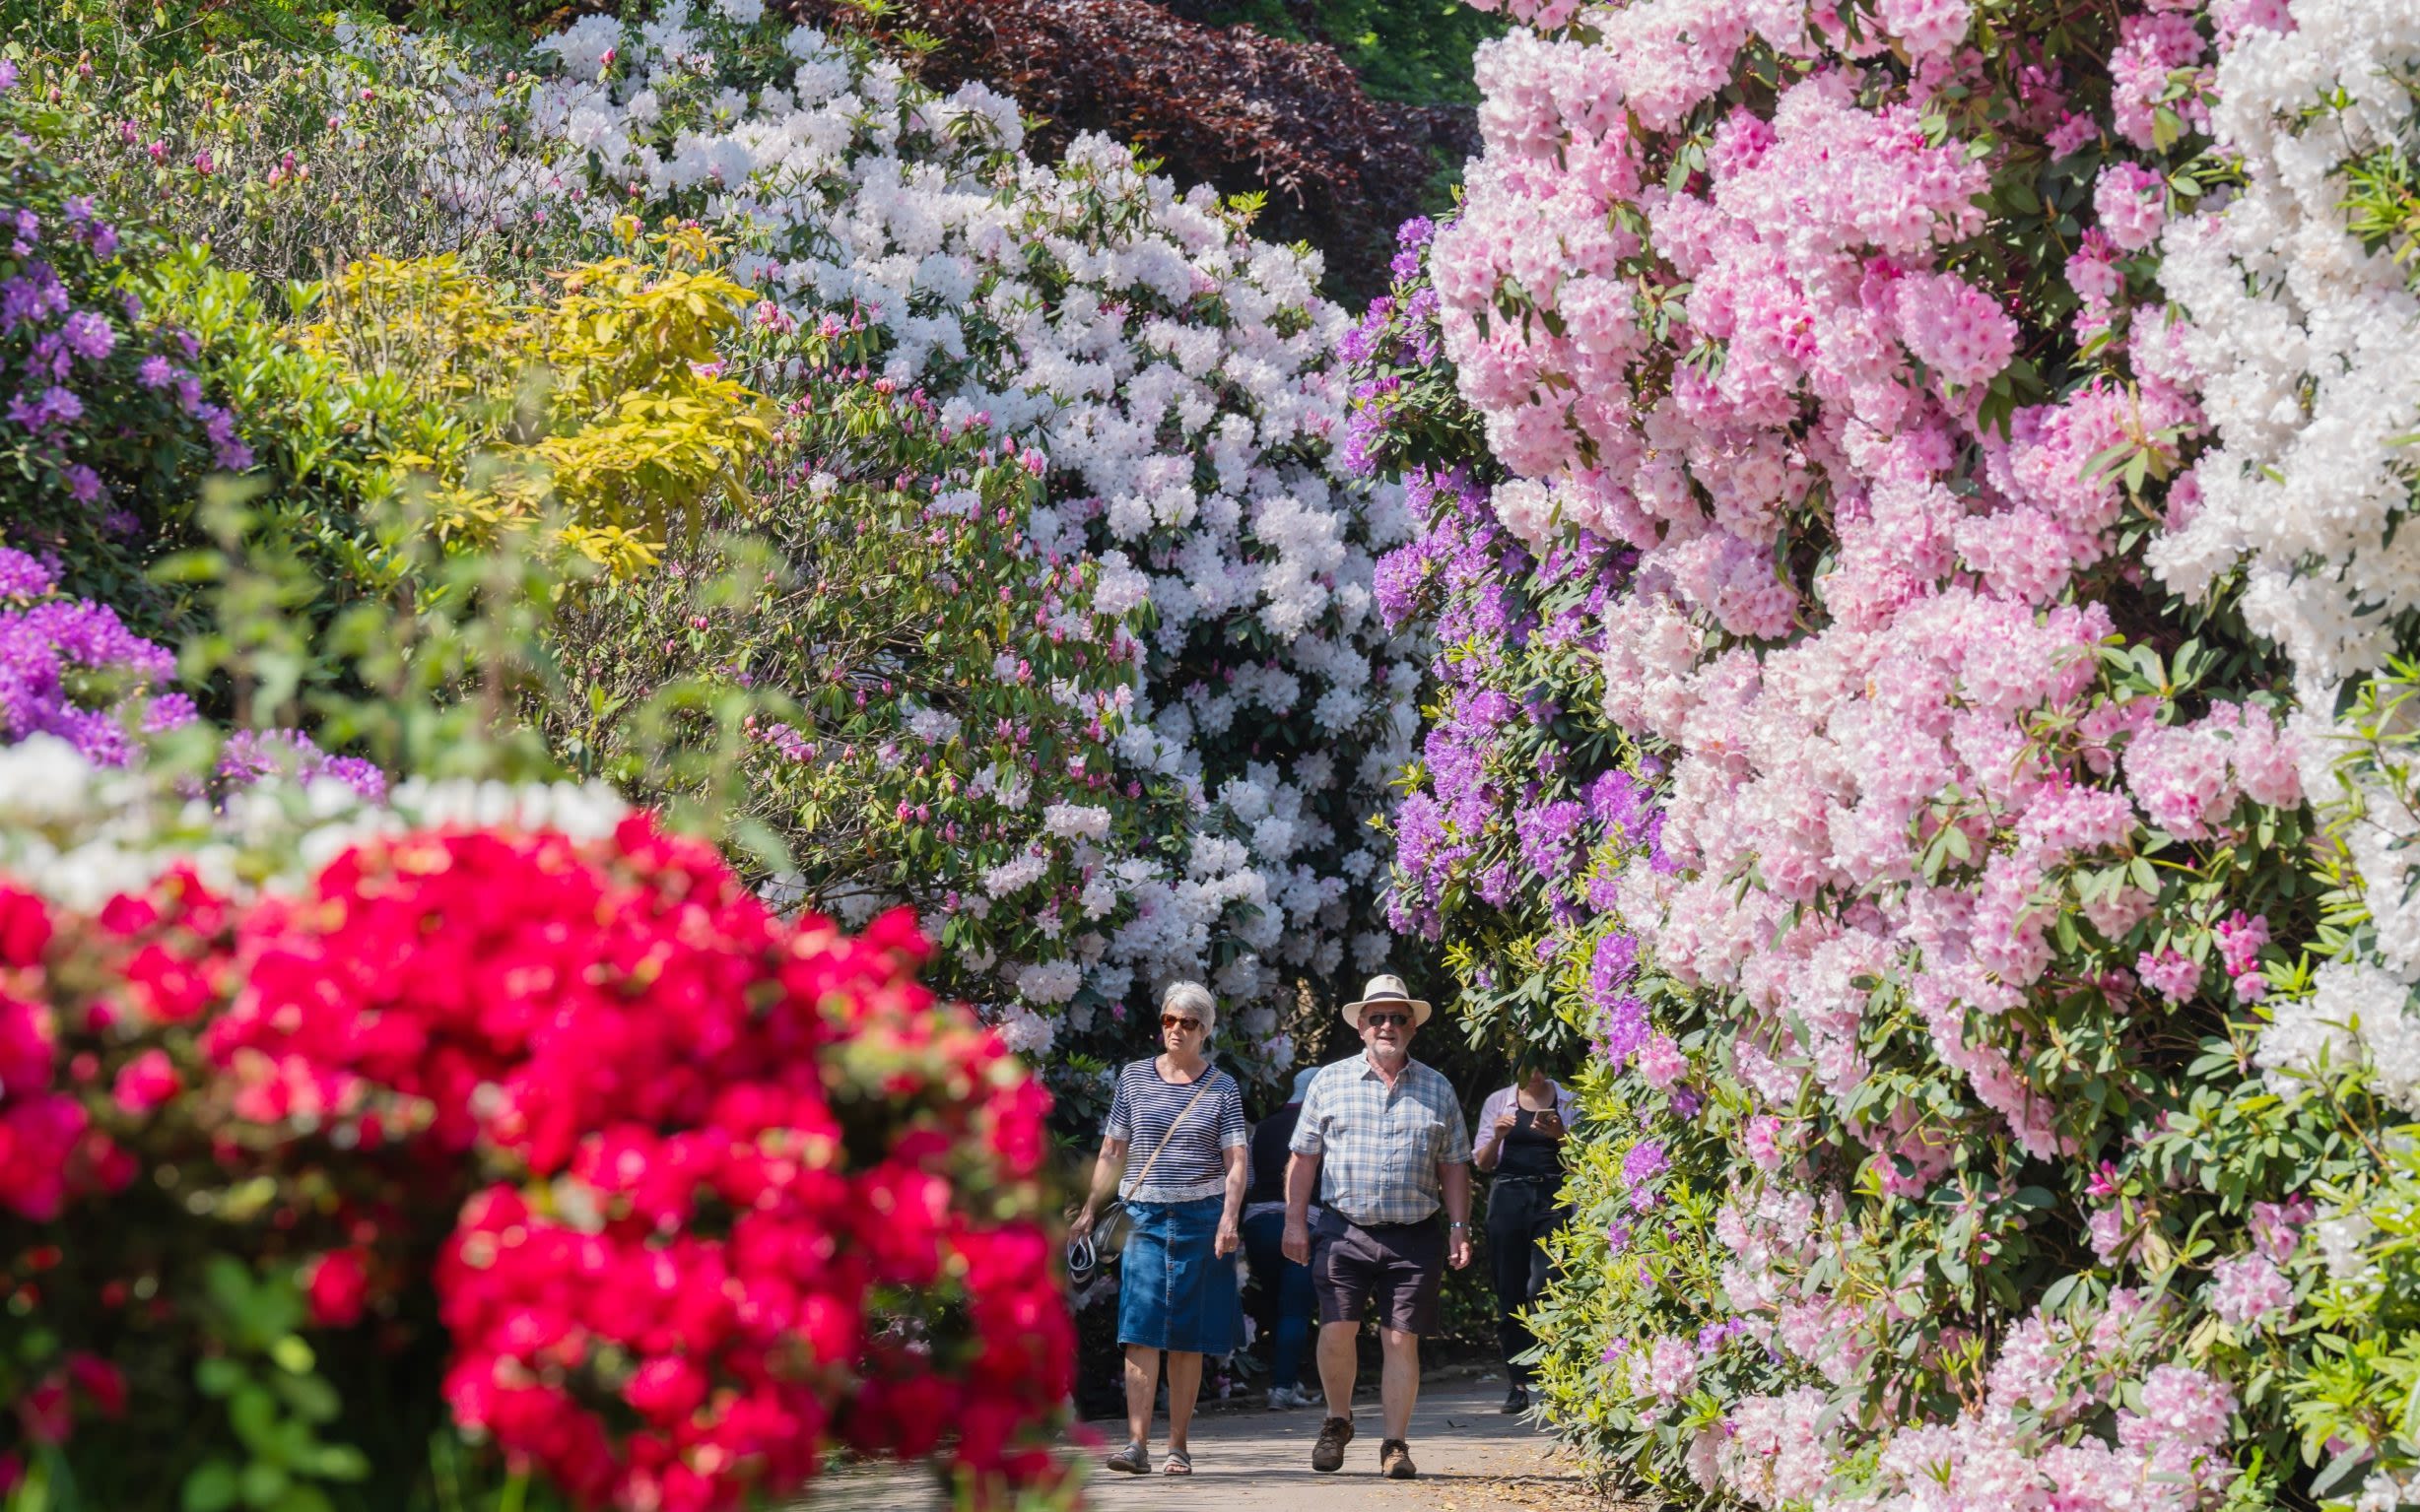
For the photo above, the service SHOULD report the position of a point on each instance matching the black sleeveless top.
(1524, 1151)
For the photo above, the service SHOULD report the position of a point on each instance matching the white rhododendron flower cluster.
(2303, 338)
(1173, 377)
(81, 835)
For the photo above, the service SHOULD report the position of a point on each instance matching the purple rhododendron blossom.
(53, 650)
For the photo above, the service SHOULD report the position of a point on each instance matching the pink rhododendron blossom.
(1954, 328)
(2169, 973)
(1660, 1061)
(2131, 201)
(1664, 1370)
(2249, 1290)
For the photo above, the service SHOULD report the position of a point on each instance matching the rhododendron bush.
(948, 738)
(560, 1131)
(103, 424)
(1881, 706)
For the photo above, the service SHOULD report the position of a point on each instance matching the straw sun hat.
(1386, 990)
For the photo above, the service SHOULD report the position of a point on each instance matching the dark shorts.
(1390, 1271)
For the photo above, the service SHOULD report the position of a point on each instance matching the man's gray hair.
(1192, 998)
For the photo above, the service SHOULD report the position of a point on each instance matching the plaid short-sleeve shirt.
(1380, 1147)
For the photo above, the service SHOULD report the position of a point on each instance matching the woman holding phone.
(1522, 1129)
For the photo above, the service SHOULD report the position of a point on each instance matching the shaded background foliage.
(1350, 116)
(1224, 105)
(1416, 52)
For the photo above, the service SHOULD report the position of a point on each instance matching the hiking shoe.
(1518, 1399)
(1395, 1459)
(1327, 1455)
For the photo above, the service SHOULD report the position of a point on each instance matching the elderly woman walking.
(1177, 1282)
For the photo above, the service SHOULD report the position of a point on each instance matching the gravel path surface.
(1471, 1458)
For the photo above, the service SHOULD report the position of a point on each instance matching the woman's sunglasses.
(1172, 1020)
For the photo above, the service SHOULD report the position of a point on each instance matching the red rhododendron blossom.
(25, 928)
(337, 1286)
(145, 1083)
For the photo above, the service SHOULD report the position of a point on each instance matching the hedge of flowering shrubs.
(1171, 379)
(546, 1117)
(1916, 596)
(1170, 376)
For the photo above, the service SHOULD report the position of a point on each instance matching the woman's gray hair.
(1192, 997)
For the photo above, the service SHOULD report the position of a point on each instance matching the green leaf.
(263, 1484)
(2339, 1471)
(217, 1376)
(342, 1462)
(210, 1488)
(253, 1414)
(312, 1398)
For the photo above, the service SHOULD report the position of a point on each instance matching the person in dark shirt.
(1265, 1227)
(1522, 1129)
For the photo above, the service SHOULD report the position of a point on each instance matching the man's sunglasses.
(1381, 1020)
(1172, 1020)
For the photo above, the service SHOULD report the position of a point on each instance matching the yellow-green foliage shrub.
(592, 404)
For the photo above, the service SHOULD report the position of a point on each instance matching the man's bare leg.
(1400, 1381)
(1337, 1365)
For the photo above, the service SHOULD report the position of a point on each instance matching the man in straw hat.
(1382, 1141)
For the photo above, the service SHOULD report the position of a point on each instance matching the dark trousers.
(1520, 1213)
(1288, 1289)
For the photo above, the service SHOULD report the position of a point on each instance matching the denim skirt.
(1173, 1293)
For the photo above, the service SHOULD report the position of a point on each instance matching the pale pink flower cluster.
(2131, 201)
(1776, 1451)
(2151, 50)
(1954, 328)
(2113, 1232)
(2187, 778)
(2248, 1289)
(1664, 1370)
(2170, 972)
(2019, 1448)
(1821, 338)
(2166, 1455)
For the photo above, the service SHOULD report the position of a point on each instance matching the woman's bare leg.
(1183, 1385)
(1143, 1383)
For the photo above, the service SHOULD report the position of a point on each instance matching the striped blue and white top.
(1193, 1166)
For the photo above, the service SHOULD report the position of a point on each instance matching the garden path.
(1471, 1457)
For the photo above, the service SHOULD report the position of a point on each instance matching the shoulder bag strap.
(1144, 1174)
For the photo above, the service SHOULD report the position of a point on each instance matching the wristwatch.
(1456, 1223)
